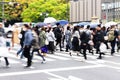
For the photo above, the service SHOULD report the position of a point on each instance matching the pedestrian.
(42, 39)
(21, 37)
(112, 36)
(35, 46)
(75, 40)
(4, 50)
(99, 37)
(15, 33)
(68, 36)
(27, 44)
(85, 38)
(51, 39)
(58, 35)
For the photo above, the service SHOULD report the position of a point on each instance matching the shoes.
(66, 51)
(7, 66)
(78, 54)
(70, 54)
(99, 58)
(43, 62)
(61, 50)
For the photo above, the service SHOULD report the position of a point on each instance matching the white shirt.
(50, 36)
(76, 34)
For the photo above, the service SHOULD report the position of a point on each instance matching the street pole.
(67, 2)
(3, 8)
(113, 10)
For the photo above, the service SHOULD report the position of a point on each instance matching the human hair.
(43, 29)
(112, 26)
(75, 29)
(88, 26)
(68, 27)
(27, 26)
(49, 29)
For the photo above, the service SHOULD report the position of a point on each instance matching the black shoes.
(70, 54)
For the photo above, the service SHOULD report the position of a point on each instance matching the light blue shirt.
(28, 38)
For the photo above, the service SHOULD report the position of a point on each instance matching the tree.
(55, 8)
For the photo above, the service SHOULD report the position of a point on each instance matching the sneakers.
(70, 54)
(43, 62)
(7, 66)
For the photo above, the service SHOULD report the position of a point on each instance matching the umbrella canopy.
(41, 24)
(108, 24)
(50, 20)
(62, 22)
(83, 23)
(94, 25)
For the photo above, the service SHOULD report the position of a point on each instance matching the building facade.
(111, 10)
(84, 10)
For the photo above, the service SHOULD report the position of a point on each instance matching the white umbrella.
(108, 24)
(50, 20)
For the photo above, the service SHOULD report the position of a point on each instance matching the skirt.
(75, 44)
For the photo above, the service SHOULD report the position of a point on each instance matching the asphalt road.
(61, 66)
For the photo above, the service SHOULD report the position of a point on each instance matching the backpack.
(33, 41)
(84, 37)
(111, 35)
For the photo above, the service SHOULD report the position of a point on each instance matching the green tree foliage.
(55, 8)
(30, 10)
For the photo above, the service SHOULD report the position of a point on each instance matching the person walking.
(68, 36)
(35, 46)
(75, 40)
(58, 35)
(112, 36)
(4, 50)
(99, 37)
(21, 37)
(42, 39)
(27, 44)
(85, 38)
(51, 39)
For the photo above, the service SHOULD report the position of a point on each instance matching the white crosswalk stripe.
(13, 59)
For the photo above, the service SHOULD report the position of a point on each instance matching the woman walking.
(36, 47)
(4, 50)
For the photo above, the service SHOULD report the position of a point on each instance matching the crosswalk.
(63, 56)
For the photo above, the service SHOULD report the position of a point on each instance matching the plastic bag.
(103, 48)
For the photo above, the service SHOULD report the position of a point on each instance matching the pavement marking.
(57, 77)
(49, 70)
(11, 61)
(73, 78)
(39, 58)
(58, 57)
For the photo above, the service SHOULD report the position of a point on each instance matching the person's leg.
(84, 51)
(6, 61)
(113, 47)
(19, 51)
(97, 47)
(27, 55)
(40, 55)
(67, 47)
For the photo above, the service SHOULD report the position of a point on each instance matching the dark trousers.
(51, 46)
(6, 61)
(98, 47)
(37, 50)
(84, 47)
(112, 46)
(26, 52)
(58, 41)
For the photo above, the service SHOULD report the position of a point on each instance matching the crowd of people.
(75, 40)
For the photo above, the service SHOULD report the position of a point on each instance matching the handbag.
(46, 42)
(106, 38)
(103, 48)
